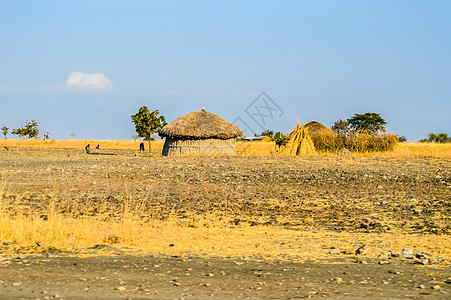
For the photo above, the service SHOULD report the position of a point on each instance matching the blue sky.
(85, 67)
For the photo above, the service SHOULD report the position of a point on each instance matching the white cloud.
(84, 80)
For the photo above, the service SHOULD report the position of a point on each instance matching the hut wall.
(199, 147)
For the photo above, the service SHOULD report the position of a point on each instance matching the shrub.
(355, 142)
(424, 141)
(324, 141)
(279, 136)
(372, 142)
(402, 139)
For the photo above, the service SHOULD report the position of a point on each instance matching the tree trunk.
(149, 145)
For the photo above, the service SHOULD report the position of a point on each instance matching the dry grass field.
(257, 206)
(54, 195)
(244, 148)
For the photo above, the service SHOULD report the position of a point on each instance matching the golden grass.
(245, 148)
(255, 148)
(208, 239)
(419, 150)
(74, 144)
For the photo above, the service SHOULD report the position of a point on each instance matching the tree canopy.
(439, 138)
(341, 127)
(402, 139)
(268, 133)
(31, 130)
(367, 123)
(148, 123)
(274, 136)
(5, 131)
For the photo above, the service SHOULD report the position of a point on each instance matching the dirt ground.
(130, 277)
(386, 197)
(340, 194)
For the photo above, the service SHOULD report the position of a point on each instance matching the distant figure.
(97, 148)
(141, 147)
(88, 149)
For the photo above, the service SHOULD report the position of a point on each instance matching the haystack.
(200, 132)
(323, 138)
(298, 142)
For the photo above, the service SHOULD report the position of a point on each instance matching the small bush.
(371, 142)
(327, 142)
(402, 139)
(355, 142)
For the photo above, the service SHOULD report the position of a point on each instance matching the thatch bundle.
(200, 125)
(298, 142)
(200, 132)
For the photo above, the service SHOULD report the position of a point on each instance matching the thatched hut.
(316, 128)
(200, 132)
(323, 138)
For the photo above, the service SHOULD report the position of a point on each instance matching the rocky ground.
(340, 194)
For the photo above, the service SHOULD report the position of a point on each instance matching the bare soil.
(350, 194)
(340, 194)
(130, 277)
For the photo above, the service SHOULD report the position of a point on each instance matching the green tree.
(439, 138)
(268, 133)
(402, 139)
(5, 131)
(19, 131)
(30, 129)
(279, 136)
(148, 123)
(367, 123)
(341, 127)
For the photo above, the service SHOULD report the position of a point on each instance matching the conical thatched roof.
(314, 128)
(200, 125)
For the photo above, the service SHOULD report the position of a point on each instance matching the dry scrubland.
(55, 198)
(403, 150)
